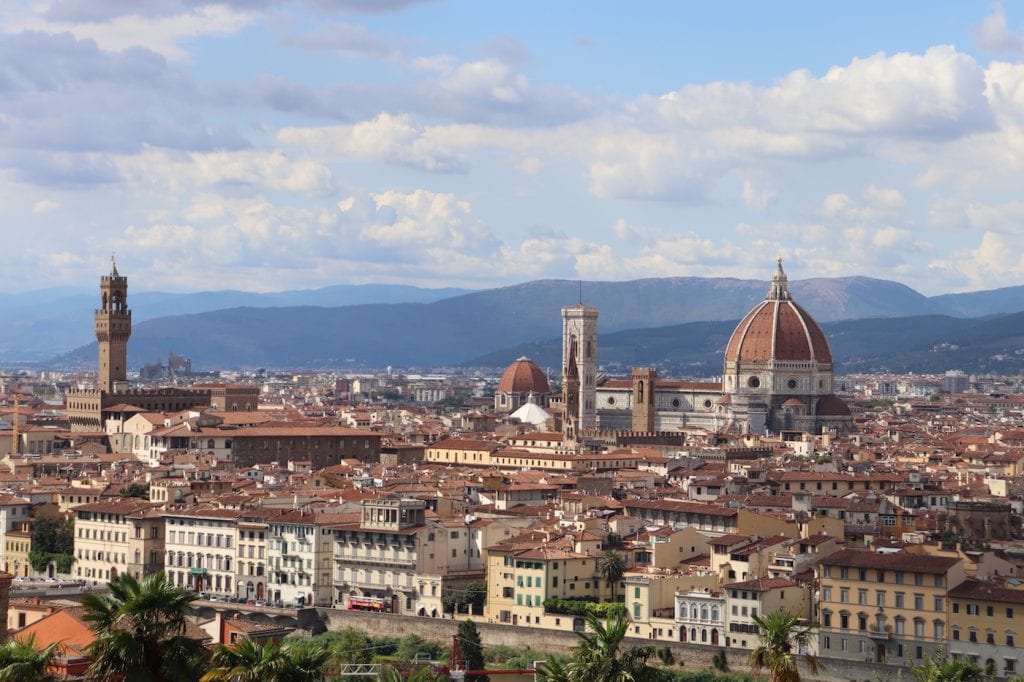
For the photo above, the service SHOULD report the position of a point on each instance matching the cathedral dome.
(778, 329)
(523, 376)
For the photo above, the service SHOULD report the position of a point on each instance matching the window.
(899, 577)
(918, 628)
(880, 598)
(899, 626)
(826, 594)
(899, 600)
(844, 572)
(989, 611)
(919, 602)
(844, 595)
(918, 579)
(990, 637)
(972, 609)
(1009, 639)
(862, 597)
(826, 618)
(972, 635)
(881, 576)
(1009, 613)
(1010, 666)
(956, 607)
(939, 604)
(844, 621)
(956, 634)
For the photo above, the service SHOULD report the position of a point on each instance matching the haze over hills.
(922, 344)
(453, 330)
(51, 321)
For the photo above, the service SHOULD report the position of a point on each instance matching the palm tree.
(140, 631)
(780, 634)
(249, 661)
(938, 668)
(597, 656)
(21, 661)
(611, 566)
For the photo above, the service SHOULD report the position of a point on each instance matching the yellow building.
(890, 608)
(983, 617)
(461, 451)
(533, 566)
(115, 537)
(17, 545)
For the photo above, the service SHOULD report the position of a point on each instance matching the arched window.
(209, 444)
(704, 613)
(714, 613)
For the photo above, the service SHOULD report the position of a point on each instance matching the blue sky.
(276, 144)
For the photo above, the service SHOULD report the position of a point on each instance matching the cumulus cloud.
(994, 35)
(398, 140)
(757, 198)
(247, 170)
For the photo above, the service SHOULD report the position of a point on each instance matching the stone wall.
(694, 656)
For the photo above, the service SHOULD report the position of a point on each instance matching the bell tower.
(579, 371)
(645, 380)
(113, 325)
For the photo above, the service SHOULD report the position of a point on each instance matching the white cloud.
(755, 198)
(886, 197)
(397, 140)
(161, 33)
(994, 35)
(248, 169)
(45, 206)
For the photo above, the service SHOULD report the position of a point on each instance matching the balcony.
(348, 560)
(874, 632)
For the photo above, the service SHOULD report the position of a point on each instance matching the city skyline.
(303, 144)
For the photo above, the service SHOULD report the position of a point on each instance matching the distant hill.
(922, 344)
(451, 330)
(47, 322)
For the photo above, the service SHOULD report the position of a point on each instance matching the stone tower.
(644, 381)
(579, 371)
(113, 324)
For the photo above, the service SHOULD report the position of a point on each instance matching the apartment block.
(200, 549)
(393, 559)
(888, 608)
(115, 537)
(983, 618)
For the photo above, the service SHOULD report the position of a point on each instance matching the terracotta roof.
(778, 329)
(897, 561)
(761, 584)
(523, 376)
(831, 406)
(984, 590)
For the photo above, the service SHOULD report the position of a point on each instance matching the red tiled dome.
(523, 376)
(778, 329)
(831, 406)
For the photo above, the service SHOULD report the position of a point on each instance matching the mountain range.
(475, 327)
(48, 322)
(922, 344)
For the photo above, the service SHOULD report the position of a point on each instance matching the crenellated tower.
(113, 325)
